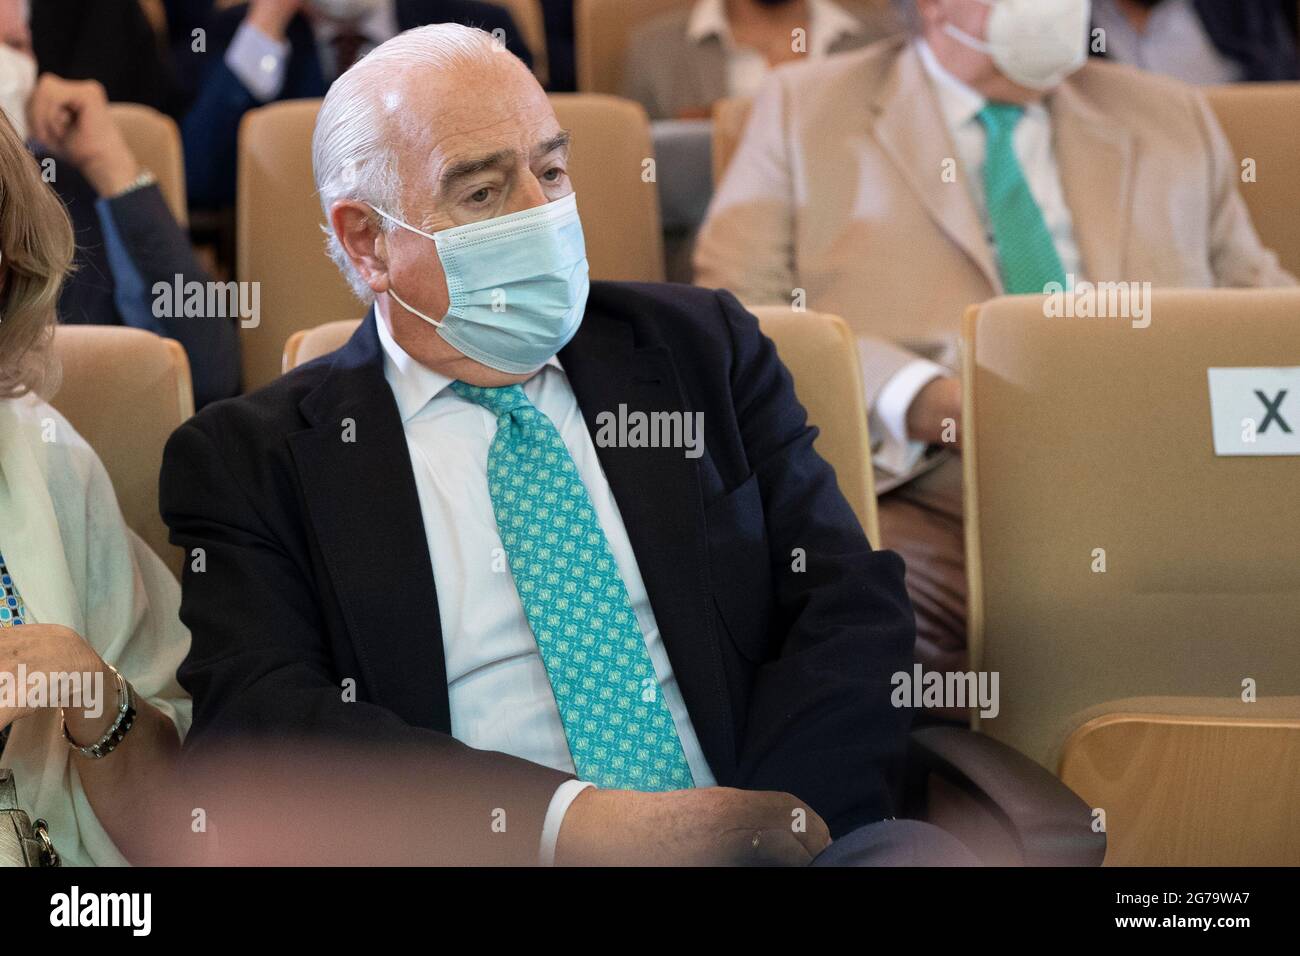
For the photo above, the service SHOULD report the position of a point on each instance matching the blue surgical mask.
(518, 285)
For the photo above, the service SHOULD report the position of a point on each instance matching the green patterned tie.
(619, 729)
(1026, 252)
(13, 613)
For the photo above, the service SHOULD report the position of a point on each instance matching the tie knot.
(499, 401)
(1000, 118)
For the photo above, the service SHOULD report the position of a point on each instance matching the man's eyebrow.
(468, 167)
(502, 157)
(557, 142)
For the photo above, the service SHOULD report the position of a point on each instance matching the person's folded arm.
(746, 244)
(148, 249)
(261, 674)
(820, 721)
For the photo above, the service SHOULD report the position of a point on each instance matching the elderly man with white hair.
(607, 649)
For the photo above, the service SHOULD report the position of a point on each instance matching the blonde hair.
(36, 248)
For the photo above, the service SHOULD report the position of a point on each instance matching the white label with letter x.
(1256, 411)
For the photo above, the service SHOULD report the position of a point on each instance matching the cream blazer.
(837, 188)
(76, 563)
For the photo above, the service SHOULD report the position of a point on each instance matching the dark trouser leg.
(922, 521)
(897, 843)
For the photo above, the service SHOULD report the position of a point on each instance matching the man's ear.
(357, 228)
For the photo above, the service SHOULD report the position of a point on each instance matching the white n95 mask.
(1035, 43)
(17, 81)
(517, 284)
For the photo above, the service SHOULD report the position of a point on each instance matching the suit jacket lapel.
(1095, 158)
(362, 503)
(659, 497)
(908, 124)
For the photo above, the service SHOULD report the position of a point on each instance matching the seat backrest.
(125, 391)
(279, 243)
(281, 246)
(307, 344)
(531, 21)
(1116, 564)
(729, 118)
(818, 350)
(1260, 120)
(611, 144)
(601, 29)
(155, 142)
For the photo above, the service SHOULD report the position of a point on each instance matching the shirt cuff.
(564, 796)
(258, 62)
(896, 453)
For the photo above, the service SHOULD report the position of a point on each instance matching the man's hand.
(272, 17)
(935, 414)
(70, 117)
(713, 826)
(54, 649)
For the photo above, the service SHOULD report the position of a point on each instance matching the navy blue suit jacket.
(211, 127)
(318, 567)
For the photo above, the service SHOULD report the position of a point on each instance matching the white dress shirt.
(501, 698)
(747, 67)
(260, 63)
(1033, 143)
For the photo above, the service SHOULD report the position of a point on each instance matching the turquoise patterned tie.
(12, 611)
(619, 729)
(1026, 252)
(12, 614)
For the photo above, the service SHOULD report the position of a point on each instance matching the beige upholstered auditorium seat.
(280, 243)
(822, 357)
(1089, 441)
(729, 119)
(126, 390)
(1261, 120)
(620, 210)
(308, 344)
(155, 142)
(819, 351)
(601, 29)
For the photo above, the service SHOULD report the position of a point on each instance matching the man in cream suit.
(983, 155)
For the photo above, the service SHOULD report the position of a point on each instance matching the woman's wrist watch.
(115, 734)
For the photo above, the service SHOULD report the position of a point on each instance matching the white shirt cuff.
(896, 453)
(258, 62)
(564, 796)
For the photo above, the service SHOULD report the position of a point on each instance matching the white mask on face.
(1035, 43)
(344, 9)
(17, 80)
